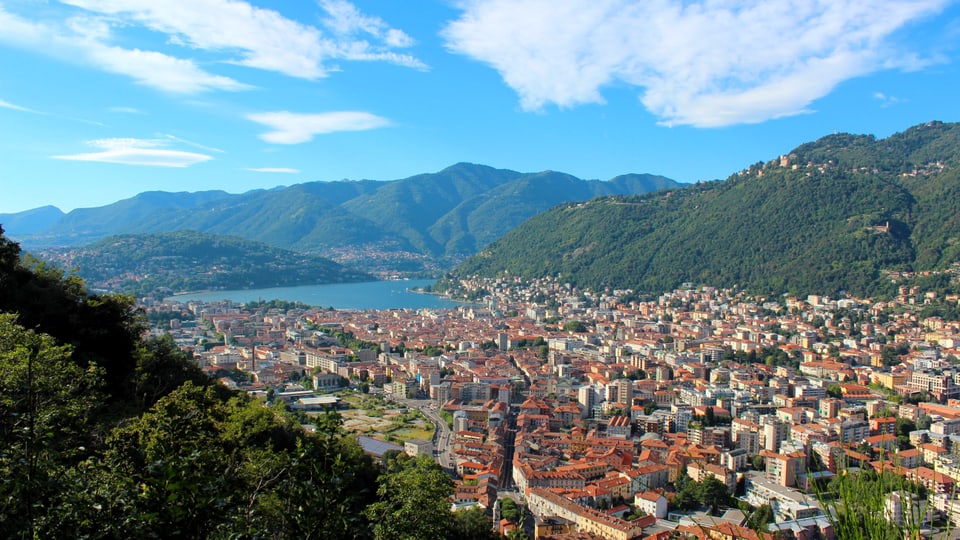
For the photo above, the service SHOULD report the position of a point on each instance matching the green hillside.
(435, 217)
(85, 225)
(477, 221)
(833, 215)
(411, 206)
(140, 264)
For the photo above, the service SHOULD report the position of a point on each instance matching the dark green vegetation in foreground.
(853, 208)
(140, 264)
(104, 434)
(451, 213)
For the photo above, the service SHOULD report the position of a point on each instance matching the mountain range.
(844, 213)
(441, 217)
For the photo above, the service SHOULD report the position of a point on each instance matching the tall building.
(588, 398)
(620, 391)
(503, 341)
(771, 433)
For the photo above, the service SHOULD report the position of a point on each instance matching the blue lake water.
(368, 295)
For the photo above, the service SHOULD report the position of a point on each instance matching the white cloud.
(223, 31)
(350, 26)
(281, 170)
(701, 63)
(145, 152)
(159, 70)
(295, 128)
(85, 40)
(263, 38)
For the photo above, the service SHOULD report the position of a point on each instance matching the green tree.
(509, 510)
(46, 407)
(472, 524)
(904, 426)
(161, 367)
(686, 493)
(760, 518)
(171, 470)
(574, 326)
(329, 481)
(517, 534)
(413, 503)
(713, 493)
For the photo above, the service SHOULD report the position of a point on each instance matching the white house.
(652, 503)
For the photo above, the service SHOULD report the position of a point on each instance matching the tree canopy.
(105, 434)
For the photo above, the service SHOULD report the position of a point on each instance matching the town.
(703, 412)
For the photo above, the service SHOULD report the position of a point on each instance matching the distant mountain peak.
(30, 221)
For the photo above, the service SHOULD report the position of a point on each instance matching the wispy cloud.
(160, 71)
(144, 152)
(886, 100)
(11, 106)
(87, 40)
(295, 128)
(354, 31)
(281, 170)
(224, 31)
(699, 63)
(199, 146)
(263, 38)
(125, 110)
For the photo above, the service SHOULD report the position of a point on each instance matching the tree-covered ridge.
(104, 434)
(187, 261)
(444, 215)
(838, 214)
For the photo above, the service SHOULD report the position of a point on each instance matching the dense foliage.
(140, 264)
(852, 210)
(104, 434)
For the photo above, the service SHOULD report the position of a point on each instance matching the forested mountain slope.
(836, 214)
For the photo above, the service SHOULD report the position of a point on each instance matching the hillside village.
(593, 409)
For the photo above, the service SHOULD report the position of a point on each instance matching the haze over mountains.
(845, 213)
(443, 216)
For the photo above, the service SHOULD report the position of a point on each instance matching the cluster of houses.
(767, 396)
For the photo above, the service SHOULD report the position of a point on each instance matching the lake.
(367, 295)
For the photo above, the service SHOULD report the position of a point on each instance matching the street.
(441, 435)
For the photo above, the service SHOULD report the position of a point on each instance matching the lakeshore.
(389, 294)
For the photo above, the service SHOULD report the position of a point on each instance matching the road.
(441, 435)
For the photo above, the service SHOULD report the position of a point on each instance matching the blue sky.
(103, 99)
